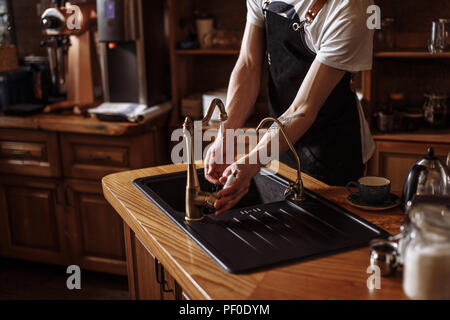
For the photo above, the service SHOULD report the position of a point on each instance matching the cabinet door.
(170, 288)
(95, 229)
(147, 279)
(32, 219)
(141, 267)
(393, 160)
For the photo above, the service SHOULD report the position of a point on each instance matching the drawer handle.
(99, 158)
(162, 282)
(21, 153)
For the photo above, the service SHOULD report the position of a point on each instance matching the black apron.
(330, 150)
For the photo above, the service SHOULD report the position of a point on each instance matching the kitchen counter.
(76, 124)
(340, 276)
(422, 135)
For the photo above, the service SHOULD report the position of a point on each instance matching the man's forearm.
(243, 92)
(245, 80)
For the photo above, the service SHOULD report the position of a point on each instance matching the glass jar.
(388, 27)
(385, 37)
(444, 33)
(426, 249)
(435, 110)
(397, 105)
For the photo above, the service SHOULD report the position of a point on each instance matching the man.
(313, 47)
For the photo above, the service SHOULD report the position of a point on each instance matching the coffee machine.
(72, 53)
(134, 52)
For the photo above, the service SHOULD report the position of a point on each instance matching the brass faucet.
(295, 188)
(196, 199)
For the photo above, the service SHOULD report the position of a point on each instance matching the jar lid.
(436, 96)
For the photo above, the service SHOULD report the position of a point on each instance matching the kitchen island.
(164, 263)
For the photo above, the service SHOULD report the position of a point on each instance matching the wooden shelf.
(208, 52)
(412, 55)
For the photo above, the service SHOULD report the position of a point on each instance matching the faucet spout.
(296, 188)
(196, 199)
(223, 113)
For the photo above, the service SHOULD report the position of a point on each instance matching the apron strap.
(310, 15)
(314, 10)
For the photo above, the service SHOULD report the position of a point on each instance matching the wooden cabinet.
(52, 208)
(29, 152)
(33, 219)
(93, 157)
(94, 228)
(407, 68)
(197, 71)
(147, 278)
(394, 159)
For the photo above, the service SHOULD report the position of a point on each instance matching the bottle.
(231, 180)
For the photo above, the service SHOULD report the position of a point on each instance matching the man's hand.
(232, 195)
(215, 160)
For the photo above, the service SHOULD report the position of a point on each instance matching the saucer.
(391, 201)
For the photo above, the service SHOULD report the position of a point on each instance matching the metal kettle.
(429, 176)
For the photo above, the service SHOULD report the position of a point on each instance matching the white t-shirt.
(338, 35)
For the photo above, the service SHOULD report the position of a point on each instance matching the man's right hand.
(215, 161)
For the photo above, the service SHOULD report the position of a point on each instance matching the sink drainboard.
(267, 235)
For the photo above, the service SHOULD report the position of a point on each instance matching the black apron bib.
(330, 151)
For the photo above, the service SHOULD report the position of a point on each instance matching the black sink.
(263, 229)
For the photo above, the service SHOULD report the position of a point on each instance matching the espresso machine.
(134, 54)
(73, 54)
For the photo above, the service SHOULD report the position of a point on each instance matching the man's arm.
(243, 91)
(245, 81)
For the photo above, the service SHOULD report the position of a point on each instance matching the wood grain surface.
(422, 135)
(340, 276)
(78, 124)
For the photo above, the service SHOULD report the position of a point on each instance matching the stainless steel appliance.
(134, 54)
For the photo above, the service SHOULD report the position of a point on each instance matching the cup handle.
(352, 184)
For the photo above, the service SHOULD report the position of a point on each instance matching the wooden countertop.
(75, 124)
(423, 135)
(341, 276)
